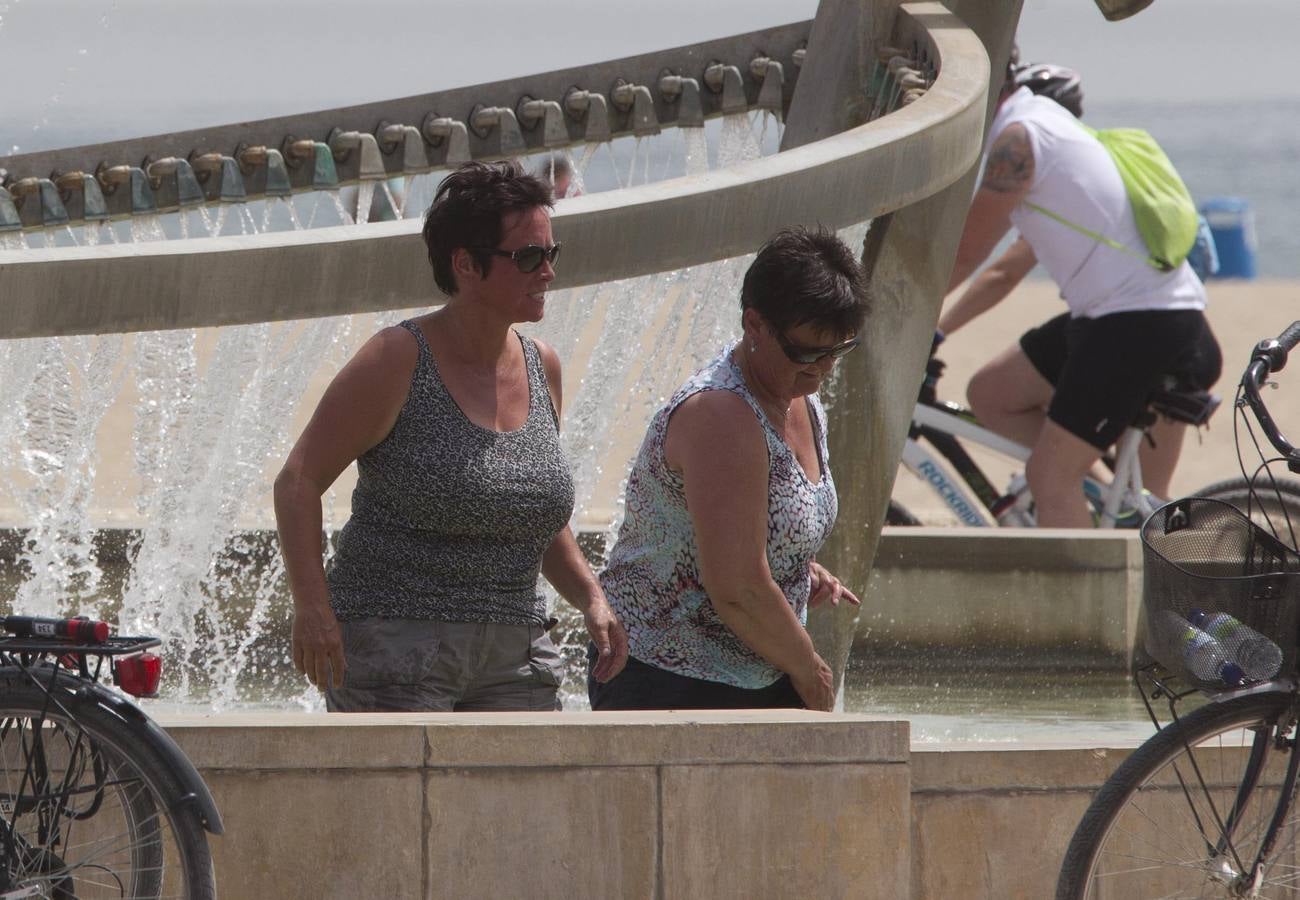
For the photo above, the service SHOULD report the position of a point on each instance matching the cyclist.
(1069, 387)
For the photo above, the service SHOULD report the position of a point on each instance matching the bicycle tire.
(1144, 836)
(111, 821)
(898, 514)
(1266, 510)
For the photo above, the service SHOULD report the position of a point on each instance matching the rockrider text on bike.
(1069, 387)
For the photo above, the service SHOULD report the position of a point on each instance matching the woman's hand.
(610, 638)
(816, 685)
(318, 645)
(826, 586)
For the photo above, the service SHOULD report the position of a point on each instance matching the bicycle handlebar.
(1270, 356)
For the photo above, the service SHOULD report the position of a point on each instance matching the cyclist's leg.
(1011, 393)
(1010, 396)
(1055, 470)
(1160, 455)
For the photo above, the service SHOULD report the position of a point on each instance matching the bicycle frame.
(971, 497)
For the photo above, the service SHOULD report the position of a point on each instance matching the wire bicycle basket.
(1220, 598)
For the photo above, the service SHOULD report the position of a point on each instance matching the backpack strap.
(1100, 238)
(1150, 259)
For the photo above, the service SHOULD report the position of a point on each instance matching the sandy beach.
(1241, 313)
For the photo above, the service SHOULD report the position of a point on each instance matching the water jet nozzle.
(324, 176)
(725, 80)
(483, 119)
(390, 136)
(251, 158)
(590, 106)
(52, 210)
(370, 165)
(229, 186)
(685, 92)
(770, 72)
(188, 192)
(9, 218)
(439, 130)
(530, 112)
(112, 177)
(635, 100)
(93, 207)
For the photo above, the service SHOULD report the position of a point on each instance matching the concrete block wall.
(985, 590)
(655, 805)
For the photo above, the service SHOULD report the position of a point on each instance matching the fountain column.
(908, 255)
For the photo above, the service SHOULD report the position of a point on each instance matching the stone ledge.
(1002, 549)
(318, 741)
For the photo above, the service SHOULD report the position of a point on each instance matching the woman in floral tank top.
(730, 498)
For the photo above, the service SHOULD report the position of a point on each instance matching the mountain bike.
(95, 799)
(1205, 808)
(1119, 502)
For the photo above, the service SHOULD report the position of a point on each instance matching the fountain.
(218, 305)
(185, 292)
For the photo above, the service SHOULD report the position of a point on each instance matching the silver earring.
(753, 347)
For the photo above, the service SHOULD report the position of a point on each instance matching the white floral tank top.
(653, 579)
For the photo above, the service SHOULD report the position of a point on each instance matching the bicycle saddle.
(1181, 405)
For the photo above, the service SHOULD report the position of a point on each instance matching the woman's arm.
(718, 446)
(564, 566)
(356, 412)
(567, 570)
(990, 286)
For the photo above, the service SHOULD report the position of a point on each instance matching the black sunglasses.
(807, 355)
(526, 259)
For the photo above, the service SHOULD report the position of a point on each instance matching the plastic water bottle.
(1177, 639)
(1258, 657)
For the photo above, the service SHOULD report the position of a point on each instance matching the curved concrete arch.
(859, 174)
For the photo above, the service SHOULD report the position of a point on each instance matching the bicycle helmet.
(1057, 82)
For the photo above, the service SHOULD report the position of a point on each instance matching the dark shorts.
(416, 665)
(1103, 370)
(642, 686)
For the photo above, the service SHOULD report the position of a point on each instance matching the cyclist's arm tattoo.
(1010, 166)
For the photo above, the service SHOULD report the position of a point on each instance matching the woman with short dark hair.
(730, 498)
(463, 493)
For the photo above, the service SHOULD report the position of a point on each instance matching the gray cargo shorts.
(416, 665)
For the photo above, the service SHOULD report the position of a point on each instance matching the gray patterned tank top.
(653, 577)
(449, 519)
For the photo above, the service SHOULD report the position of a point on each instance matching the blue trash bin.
(1233, 225)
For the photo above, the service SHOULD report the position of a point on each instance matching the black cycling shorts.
(1103, 370)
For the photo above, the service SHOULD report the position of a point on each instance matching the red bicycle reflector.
(138, 674)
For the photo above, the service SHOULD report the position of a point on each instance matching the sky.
(82, 71)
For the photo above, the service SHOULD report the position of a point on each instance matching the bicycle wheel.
(898, 514)
(87, 808)
(1174, 819)
(1269, 509)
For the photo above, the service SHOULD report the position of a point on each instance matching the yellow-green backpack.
(1165, 212)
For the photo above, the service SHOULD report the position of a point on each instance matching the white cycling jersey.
(1075, 178)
